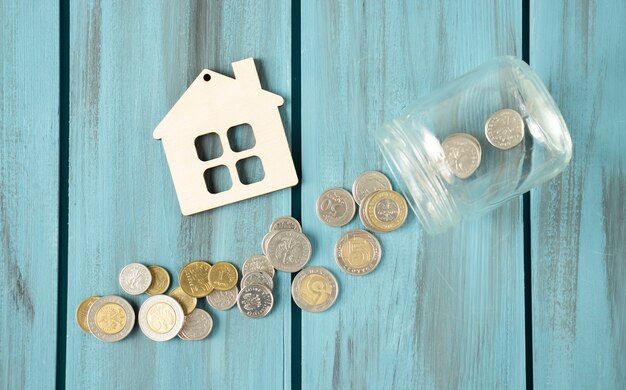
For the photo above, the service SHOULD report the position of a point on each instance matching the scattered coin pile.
(504, 130)
(381, 210)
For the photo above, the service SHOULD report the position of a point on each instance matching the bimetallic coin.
(357, 252)
(111, 318)
(187, 302)
(81, 313)
(286, 223)
(135, 278)
(160, 280)
(255, 301)
(314, 289)
(257, 263)
(194, 279)
(161, 318)
(288, 250)
(463, 153)
(367, 183)
(385, 211)
(335, 207)
(197, 326)
(223, 300)
(505, 129)
(257, 278)
(223, 276)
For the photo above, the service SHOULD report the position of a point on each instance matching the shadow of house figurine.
(214, 103)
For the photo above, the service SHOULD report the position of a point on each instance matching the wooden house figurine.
(213, 104)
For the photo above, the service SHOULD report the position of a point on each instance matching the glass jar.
(503, 136)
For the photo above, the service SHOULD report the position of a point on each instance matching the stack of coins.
(285, 246)
(256, 298)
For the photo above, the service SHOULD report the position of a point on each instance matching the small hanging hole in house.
(218, 179)
(207, 77)
(241, 137)
(250, 170)
(209, 146)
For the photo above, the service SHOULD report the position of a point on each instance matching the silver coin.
(257, 263)
(198, 325)
(257, 278)
(223, 300)
(266, 240)
(367, 183)
(111, 318)
(255, 301)
(314, 289)
(505, 129)
(358, 252)
(161, 317)
(286, 223)
(135, 278)
(462, 153)
(335, 207)
(288, 250)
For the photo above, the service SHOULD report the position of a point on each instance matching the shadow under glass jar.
(476, 142)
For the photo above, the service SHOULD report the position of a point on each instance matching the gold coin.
(160, 280)
(81, 313)
(386, 211)
(223, 276)
(187, 302)
(111, 318)
(194, 279)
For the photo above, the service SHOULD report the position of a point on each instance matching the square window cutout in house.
(241, 137)
(209, 146)
(250, 170)
(218, 179)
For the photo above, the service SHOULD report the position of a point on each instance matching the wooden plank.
(130, 62)
(439, 312)
(29, 197)
(578, 231)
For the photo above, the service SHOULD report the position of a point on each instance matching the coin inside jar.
(81, 313)
(505, 129)
(384, 211)
(160, 280)
(335, 207)
(187, 302)
(314, 289)
(194, 279)
(288, 250)
(111, 318)
(368, 183)
(255, 301)
(135, 278)
(463, 154)
(358, 252)
(223, 276)
(161, 318)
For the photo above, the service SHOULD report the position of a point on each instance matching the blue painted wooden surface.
(440, 312)
(579, 219)
(29, 193)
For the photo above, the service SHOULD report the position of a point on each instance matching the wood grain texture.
(130, 62)
(29, 182)
(439, 312)
(578, 230)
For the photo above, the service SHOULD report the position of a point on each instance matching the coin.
(255, 301)
(135, 278)
(314, 289)
(194, 279)
(288, 250)
(462, 153)
(197, 326)
(223, 300)
(385, 211)
(187, 302)
(257, 278)
(286, 223)
(111, 318)
(257, 263)
(161, 318)
(223, 276)
(266, 240)
(335, 207)
(505, 129)
(160, 280)
(81, 313)
(357, 252)
(367, 183)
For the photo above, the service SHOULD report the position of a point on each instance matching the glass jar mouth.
(414, 166)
